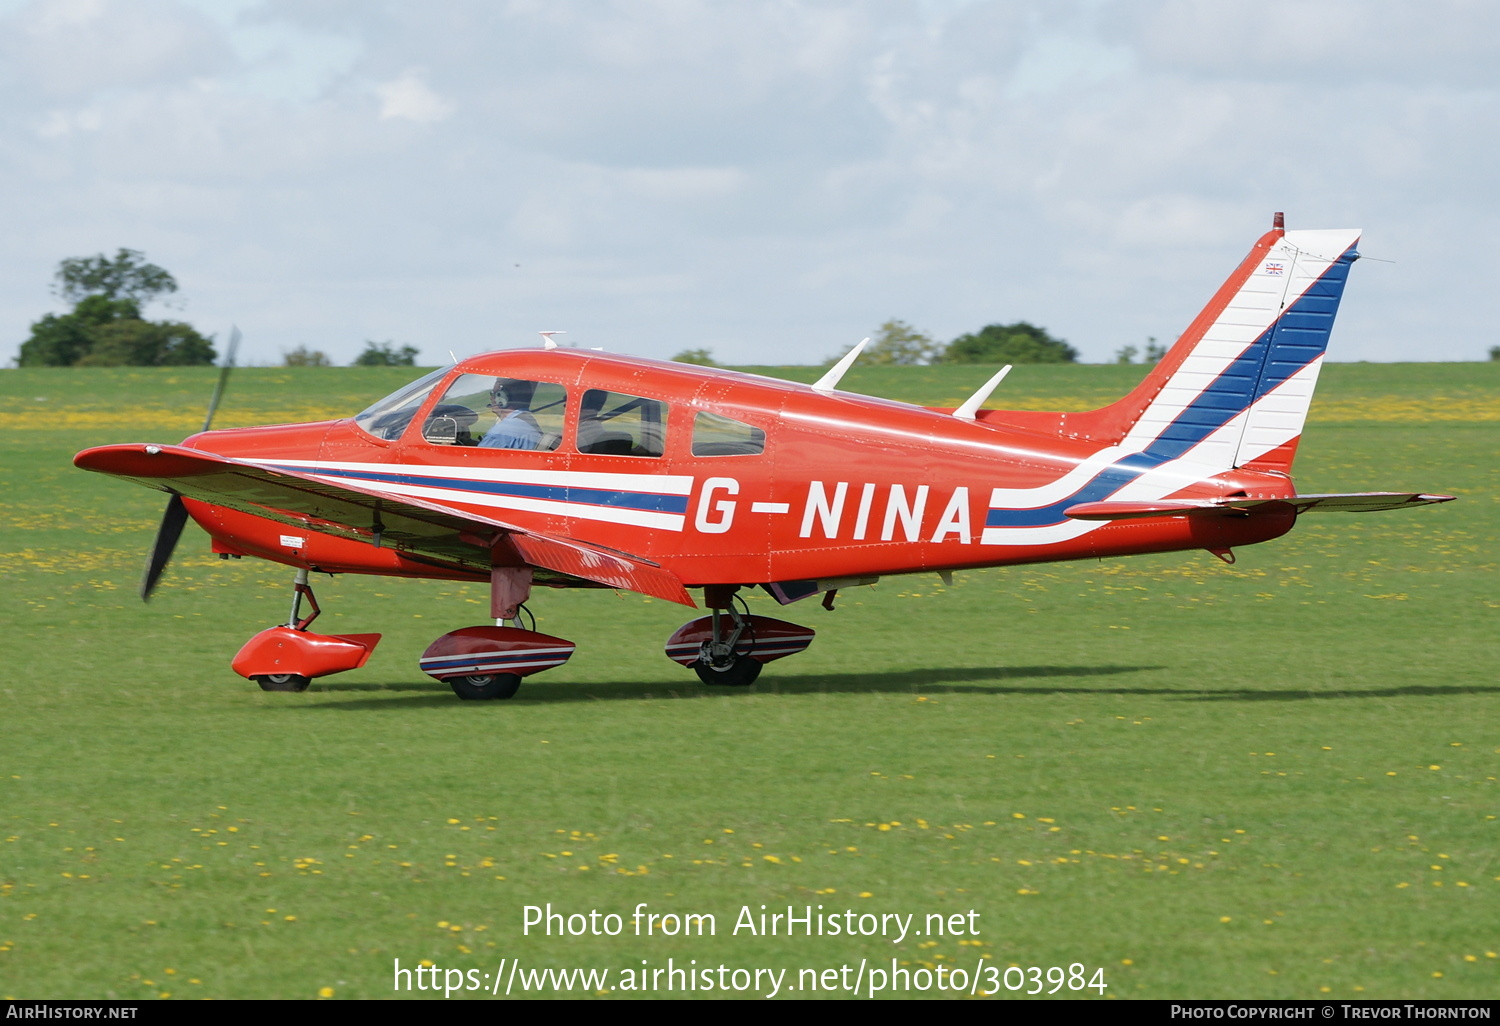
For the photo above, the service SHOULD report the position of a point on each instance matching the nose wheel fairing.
(287, 657)
(283, 650)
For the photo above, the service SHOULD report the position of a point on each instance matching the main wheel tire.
(480, 686)
(740, 673)
(282, 681)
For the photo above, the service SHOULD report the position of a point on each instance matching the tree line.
(105, 326)
(898, 343)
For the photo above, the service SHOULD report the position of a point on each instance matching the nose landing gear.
(288, 657)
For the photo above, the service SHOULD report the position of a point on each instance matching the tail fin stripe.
(1292, 345)
(1235, 345)
(1263, 365)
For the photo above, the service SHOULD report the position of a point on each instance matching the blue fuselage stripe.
(648, 501)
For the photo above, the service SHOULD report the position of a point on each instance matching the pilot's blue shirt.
(517, 430)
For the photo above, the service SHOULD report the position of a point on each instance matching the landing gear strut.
(725, 657)
(288, 657)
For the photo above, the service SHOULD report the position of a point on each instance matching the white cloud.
(729, 171)
(410, 98)
(73, 48)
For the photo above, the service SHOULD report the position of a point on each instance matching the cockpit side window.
(498, 413)
(714, 435)
(389, 417)
(614, 424)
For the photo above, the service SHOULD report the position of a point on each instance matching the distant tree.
(700, 357)
(385, 354)
(105, 327)
(1126, 354)
(1495, 352)
(896, 343)
(61, 340)
(127, 276)
(1020, 342)
(900, 344)
(305, 357)
(138, 343)
(1154, 350)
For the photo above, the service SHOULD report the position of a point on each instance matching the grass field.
(1277, 779)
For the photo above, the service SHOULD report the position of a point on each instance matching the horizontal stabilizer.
(1364, 502)
(1350, 502)
(424, 528)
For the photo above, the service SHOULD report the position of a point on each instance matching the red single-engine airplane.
(568, 468)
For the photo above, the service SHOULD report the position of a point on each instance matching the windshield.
(389, 417)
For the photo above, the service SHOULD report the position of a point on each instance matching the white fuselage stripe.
(576, 510)
(658, 484)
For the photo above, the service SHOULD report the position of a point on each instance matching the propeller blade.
(174, 518)
(213, 404)
(172, 522)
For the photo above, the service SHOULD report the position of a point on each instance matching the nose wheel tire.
(479, 686)
(739, 672)
(282, 681)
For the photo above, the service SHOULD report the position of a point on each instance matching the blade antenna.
(828, 382)
(971, 405)
(548, 342)
(213, 404)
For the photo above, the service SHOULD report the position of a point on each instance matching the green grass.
(1082, 753)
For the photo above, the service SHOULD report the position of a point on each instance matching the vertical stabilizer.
(1235, 389)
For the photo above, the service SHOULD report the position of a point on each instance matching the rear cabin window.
(614, 424)
(714, 435)
(498, 413)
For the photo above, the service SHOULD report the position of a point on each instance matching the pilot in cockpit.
(515, 426)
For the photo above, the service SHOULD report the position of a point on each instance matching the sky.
(767, 179)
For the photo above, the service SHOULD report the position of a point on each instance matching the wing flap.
(421, 527)
(617, 570)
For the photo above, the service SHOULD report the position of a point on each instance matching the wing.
(1352, 502)
(425, 529)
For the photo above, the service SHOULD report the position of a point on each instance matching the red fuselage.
(844, 486)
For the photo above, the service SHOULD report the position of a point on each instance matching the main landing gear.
(481, 663)
(288, 657)
(489, 662)
(730, 645)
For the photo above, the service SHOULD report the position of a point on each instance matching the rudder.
(1292, 348)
